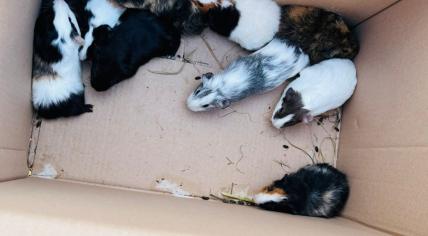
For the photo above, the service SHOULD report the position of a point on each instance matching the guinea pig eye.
(206, 105)
(197, 92)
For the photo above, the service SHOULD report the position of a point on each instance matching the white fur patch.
(258, 23)
(170, 187)
(104, 13)
(262, 198)
(278, 123)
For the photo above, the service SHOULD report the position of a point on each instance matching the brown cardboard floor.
(141, 131)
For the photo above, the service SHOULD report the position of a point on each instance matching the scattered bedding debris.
(176, 190)
(48, 172)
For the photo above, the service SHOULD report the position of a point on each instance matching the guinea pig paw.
(88, 108)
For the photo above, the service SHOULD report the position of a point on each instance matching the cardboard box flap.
(45, 207)
(384, 141)
(16, 26)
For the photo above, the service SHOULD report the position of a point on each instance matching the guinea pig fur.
(315, 190)
(119, 52)
(183, 13)
(57, 88)
(320, 34)
(251, 24)
(256, 73)
(318, 89)
(95, 14)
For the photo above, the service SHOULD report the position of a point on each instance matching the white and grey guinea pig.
(318, 89)
(57, 88)
(254, 74)
(97, 13)
(315, 190)
(252, 24)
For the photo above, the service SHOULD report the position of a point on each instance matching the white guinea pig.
(256, 73)
(318, 89)
(250, 23)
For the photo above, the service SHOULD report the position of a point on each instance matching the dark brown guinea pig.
(319, 33)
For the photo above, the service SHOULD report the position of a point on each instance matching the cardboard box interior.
(141, 131)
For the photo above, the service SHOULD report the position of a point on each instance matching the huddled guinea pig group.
(288, 38)
(311, 48)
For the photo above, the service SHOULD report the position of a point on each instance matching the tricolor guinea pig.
(315, 190)
(251, 24)
(57, 88)
(183, 14)
(119, 52)
(249, 75)
(318, 89)
(95, 14)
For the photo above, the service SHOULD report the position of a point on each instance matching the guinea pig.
(319, 33)
(251, 24)
(97, 13)
(57, 88)
(318, 89)
(256, 73)
(315, 190)
(119, 52)
(183, 13)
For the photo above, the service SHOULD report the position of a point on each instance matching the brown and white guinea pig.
(183, 13)
(315, 190)
(251, 24)
(119, 52)
(317, 89)
(319, 33)
(57, 88)
(95, 13)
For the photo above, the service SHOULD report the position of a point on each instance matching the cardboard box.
(104, 166)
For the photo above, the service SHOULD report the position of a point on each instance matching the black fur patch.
(319, 33)
(45, 33)
(118, 53)
(223, 20)
(316, 190)
(291, 104)
(73, 106)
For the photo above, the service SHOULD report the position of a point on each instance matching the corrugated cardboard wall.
(384, 144)
(16, 24)
(354, 10)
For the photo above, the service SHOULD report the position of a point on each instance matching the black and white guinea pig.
(95, 14)
(57, 88)
(252, 24)
(318, 89)
(319, 33)
(315, 190)
(119, 52)
(249, 75)
(184, 14)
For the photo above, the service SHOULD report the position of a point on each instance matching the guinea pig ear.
(223, 104)
(290, 95)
